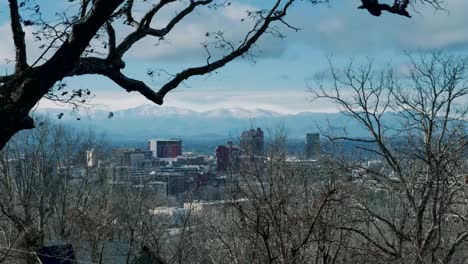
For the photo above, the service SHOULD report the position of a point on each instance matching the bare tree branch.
(460, 238)
(241, 50)
(84, 7)
(18, 36)
(144, 28)
(111, 34)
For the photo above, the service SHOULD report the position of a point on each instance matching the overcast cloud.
(340, 29)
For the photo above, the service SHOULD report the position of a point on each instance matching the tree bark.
(21, 93)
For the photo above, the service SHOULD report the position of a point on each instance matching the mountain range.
(151, 121)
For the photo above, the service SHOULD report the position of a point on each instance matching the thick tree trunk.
(20, 92)
(12, 124)
(12, 120)
(17, 97)
(26, 87)
(24, 90)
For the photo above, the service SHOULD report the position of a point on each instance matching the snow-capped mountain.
(149, 121)
(153, 111)
(240, 113)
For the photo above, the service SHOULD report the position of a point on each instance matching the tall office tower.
(252, 142)
(227, 157)
(312, 146)
(222, 158)
(165, 148)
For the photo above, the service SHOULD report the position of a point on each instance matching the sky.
(282, 70)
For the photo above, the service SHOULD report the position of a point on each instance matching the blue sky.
(283, 68)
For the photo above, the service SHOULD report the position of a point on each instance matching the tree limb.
(84, 8)
(148, 17)
(144, 28)
(240, 51)
(6, 78)
(370, 240)
(68, 55)
(131, 85)
(93, 65)
(461, 237)
(111, 34)
(18, 36)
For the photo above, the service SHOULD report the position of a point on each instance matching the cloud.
(7, 50)
(185, 40)
(182, 43)
(340, 28)
(344, 29)
(283, 101)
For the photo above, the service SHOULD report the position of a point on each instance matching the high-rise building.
(165, 148)
(252, 142)
(227, 156)
(222, 158)
(312, 146)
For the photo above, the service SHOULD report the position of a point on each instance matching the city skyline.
(282, 131)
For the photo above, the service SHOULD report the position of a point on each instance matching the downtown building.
(227, 157)
(252, 142)
(134, 157)
(312, 146)
(165, 149)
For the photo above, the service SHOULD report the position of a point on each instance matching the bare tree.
(50, 192)
(39, 199)
(70, 49)
(274, 212)
(29, 186)
(418, 215)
